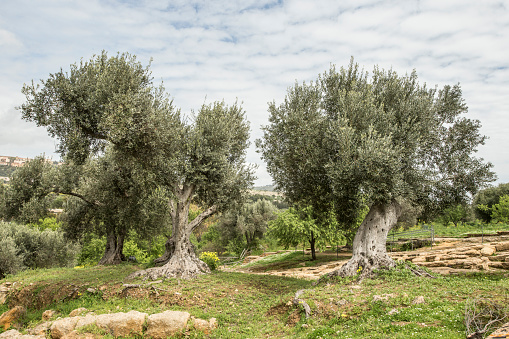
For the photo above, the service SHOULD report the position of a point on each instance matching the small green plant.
(211, 259)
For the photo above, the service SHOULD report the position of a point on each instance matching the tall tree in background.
(112, 101)
(110, 199)
(105, 198)
(349, 137)
(296, 225)
(487, 198)
(25, 199)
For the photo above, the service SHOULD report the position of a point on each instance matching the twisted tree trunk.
(369, 244)
(113, 253)
(180, 260)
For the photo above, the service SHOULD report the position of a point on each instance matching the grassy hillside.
(259, 306)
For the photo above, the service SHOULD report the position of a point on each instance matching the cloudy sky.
(254, 50)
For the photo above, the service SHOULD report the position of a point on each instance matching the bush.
(25, 247)
(131, 249)
(211, 259)
(92, 250)
(10, 263)
(500, 211)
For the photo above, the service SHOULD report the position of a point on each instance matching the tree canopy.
(111, 101)
(351, 137)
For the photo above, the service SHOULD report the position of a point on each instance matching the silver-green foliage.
(23, 246)
(351, 136)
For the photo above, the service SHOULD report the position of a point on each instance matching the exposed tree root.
(420, 272)
(297, 301)
(181, 267)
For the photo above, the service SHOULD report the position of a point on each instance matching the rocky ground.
(447, 256)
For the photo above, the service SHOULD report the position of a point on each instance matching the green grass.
(463, 229)
(288, 260)
(257, 306)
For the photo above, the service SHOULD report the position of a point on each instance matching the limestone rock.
(213, 323)
(62, 327)
(383, 297)
(89, 319)
(488, 250)
(503, 246)
(122, 324)
(12, 316)
(14, 334)
(78, 311)
(4, 290)
(40, 329)
(202, 325)
(162, 325)
(76, 335)
(48, 314)
(393, 311)
(418, 300)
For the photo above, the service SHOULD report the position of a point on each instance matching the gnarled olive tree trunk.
(113, 253)
(180, 260)
(369, 244)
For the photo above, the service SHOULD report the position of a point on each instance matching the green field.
(258, 306)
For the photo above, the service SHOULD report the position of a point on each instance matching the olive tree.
(381, 138)
(197, 158)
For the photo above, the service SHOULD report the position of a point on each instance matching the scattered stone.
(77, 335)
(304, 326)
(11, 316)
(383, 297)
(40, 329)
(213, 323)
(4, 290)
(488, 250)
(418, 300)
(162, 325)
(503, 246)
(62, 327)
(48, 314)
(393, 311)
(14, 334)
(91, 290)
(78, 311)
(342, 302)
(89, 319)
(122, 324)
(202, 325)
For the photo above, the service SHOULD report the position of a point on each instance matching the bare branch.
(204, 215)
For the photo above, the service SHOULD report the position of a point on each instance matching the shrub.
(92, 250)
(211, 259)
(131, 249)
(10, 263)
(35, 249)
(500, 211)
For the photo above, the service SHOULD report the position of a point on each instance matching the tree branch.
(204, 215)
(92, 203)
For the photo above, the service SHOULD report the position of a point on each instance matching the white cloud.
(253, 50)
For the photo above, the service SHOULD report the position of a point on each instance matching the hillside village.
(9, 163)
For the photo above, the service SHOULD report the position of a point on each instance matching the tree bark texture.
(312, 241)
(113, 253)
(180, 260)
(369, 244)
